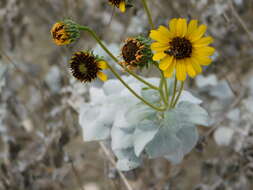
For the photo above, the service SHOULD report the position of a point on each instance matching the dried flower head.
(182, 48)
(136, 53)
(86, 67)
(65, 32)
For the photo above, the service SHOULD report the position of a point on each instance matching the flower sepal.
(136, 53)
(65, 32)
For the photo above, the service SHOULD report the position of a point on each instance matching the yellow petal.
(196, 66)
(190, 70)
(181, 27)
(203, 51)
(165, 31)
(157, 46)
(203, 42)
(180, 70)
(159, 36)
(165, 63)
(122, 6)
(173, 26)
(169, 72)
(159, 55)
(197, 34)
(102, 76)
(102, 65)
(204, 60)
(192, 26)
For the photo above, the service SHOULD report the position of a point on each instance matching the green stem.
(165, 87)
(115, 73)
(167, 93)
(179, 94)
(140, 79)
(144, 2)
(161, 91)
(174, 92)
(93, 34)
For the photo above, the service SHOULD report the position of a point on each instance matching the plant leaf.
(127, 160)
(164, 143)
(143, 134)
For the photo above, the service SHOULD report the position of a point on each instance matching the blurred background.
(41, 144)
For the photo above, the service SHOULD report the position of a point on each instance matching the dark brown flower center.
(180, 48)
(129, 51)
(84, 67)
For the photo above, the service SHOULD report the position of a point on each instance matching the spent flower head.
(86, 67)
(136, 53)
(65, 32)
(182, 47)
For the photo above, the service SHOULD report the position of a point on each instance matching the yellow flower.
(182, 48)
(65, 32)
(86, 67)
(121, 4)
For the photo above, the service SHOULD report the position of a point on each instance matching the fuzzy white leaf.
(143, 134)
(112, 87)
(189, 137)
(96, 131)
(188, 97)
(96, 124)
(164, 143)
(127, 160)
(192, 113)
(150, 95)
(139, 112)
(122, 138)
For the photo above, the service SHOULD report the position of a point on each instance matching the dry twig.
(110, 158)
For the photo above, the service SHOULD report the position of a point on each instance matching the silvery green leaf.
(188, 97)
(135, 86)
(87, 113)
(106, 113)
(174, 120)
(150, 95)
(188, 137)
(176, 157)
(139, 112)
(192, 113)
(112, 87)
(143, 134)
(153, 80)
(96, 131)
(120, 120)
(97, 96)
(164, 143)
(127, 164)
(127, 160)
(122, 138)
